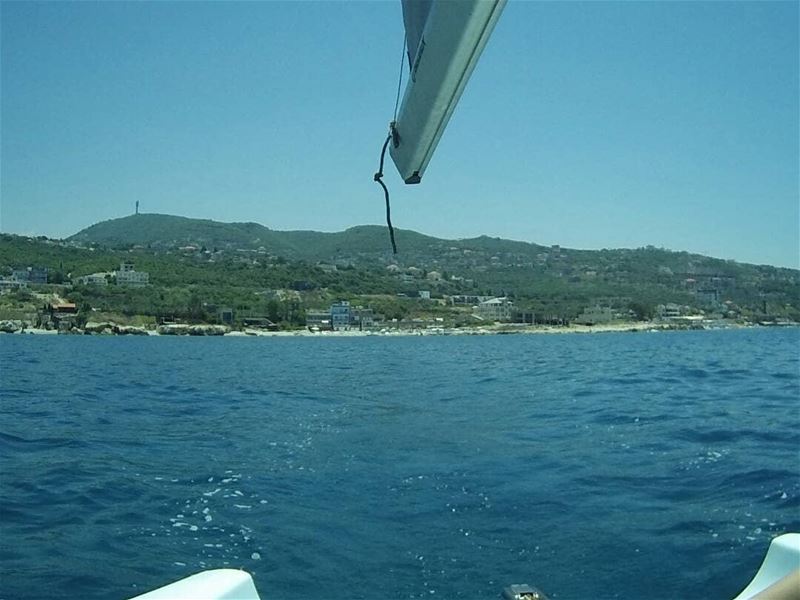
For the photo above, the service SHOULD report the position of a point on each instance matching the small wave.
(695, 373)
(709, 436)
(627, 381)
(15, 442)
(775, 477)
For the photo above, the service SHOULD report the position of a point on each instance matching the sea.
(616, 465)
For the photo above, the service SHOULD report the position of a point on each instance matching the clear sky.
(588, 125)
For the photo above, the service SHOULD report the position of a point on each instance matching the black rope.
(379, 178)
(393, 137)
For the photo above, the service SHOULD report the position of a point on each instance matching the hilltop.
(167, 232)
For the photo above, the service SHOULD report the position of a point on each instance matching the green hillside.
(245, 264)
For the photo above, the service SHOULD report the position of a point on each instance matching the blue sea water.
(592, 466)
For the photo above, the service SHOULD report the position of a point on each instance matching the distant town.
(155, 274)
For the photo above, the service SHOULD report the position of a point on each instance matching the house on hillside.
(708, 296)
(30, 274)
(127, 275)
(100, 279)
(8, 284)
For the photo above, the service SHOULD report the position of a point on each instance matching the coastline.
(510, 329)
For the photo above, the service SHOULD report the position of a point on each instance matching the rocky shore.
(108, 328)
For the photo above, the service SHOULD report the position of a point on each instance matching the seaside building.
(226, 316)
(495, 309)
(61, 316)
(669, 310)
(361, 317)
(319, 319)
(340, 315)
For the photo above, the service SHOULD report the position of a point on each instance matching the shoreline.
(219, 331)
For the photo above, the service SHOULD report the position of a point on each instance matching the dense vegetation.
(197, 267)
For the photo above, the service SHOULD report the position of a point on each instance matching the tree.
(642, 311)
(274, 312)
(195, 308)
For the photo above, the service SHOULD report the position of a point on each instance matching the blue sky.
(590, 125)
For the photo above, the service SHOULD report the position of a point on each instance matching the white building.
(495, 309)
(128, 276)
(11, 283)
(669, 311)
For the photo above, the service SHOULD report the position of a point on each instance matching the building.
(467, 299)
(259, 322)
(127, 275)
(361, 317)
(524, 316)
(708, 296)
(327, 268)
(495, 309)
(100, 279)
(319, 319)
(226, 316)
(340, 315)
(425, 294)
(61, 316)
(11, 283)
(668, 311)
(30, 274)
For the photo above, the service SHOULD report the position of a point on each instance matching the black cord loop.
(379, 178)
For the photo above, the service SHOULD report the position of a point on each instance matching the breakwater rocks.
(184, 329)
(110, 328)
(12, 326)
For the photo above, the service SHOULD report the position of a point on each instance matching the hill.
(236, 264)
(162, 232)
(369, 246)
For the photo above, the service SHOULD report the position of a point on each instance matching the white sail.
(445, 39)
